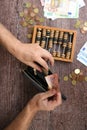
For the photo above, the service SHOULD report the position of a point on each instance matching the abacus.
(59, 42)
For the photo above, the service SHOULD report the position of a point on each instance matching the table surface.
(16, 89)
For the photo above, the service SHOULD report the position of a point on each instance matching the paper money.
(52, 81)
(62, 8)
(82, 55)
(42, 2)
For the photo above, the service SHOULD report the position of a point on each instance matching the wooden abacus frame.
(57, 29)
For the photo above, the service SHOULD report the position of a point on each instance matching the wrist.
(32, 107)
(15, 49)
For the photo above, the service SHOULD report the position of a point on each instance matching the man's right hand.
(41, 102)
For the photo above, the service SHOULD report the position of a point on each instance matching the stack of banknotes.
(54, 9)
(82, 55)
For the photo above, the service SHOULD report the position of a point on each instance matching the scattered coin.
(31, 21)
(85, 24)
(41, 19)
(86, 78)
(29, 36)
(21, 14)
(32, 14)
(77, 71)
(36, 10)
(77, 24)
(27, 19)
(73, 76)
(70, 75)
(66, 78)
(74, 82)
(23, 23)
(37, 18)
(27, 5)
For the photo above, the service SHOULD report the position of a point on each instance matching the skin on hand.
(32, 55)
(41, 101)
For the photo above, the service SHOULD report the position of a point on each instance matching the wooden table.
(16, 89)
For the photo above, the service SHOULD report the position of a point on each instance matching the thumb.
(49, 94)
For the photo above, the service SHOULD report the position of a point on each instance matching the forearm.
(23, 120)
(9, 41)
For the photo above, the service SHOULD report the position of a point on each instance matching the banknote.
(84, 48)
(82, 55)
(52, 81)
(42, 2)
(82, 60)
(62, 8)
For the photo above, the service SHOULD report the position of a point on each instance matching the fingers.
(48, 56)
(35, 66)
(43, 58)
(43, 63)
(59, 98)
(48, 94)
(54, 103)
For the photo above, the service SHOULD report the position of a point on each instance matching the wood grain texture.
(16, 89)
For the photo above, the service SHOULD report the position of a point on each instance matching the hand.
(41, 102)
(31, 54)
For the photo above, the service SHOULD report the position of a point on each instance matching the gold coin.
(65, 78)
(24, 24)
(41, 20)
(36, 10)
(85, 28)
(33, 6)
(27, 5)
(70, 75)
(74, 76)
(74, 82)
(31, 21)
(77, 24)
(21, 14)
(86, 78)
(32, 14)
(77, 71)
(27, 19)
(82, 31)
(29, 36)
(85, 24)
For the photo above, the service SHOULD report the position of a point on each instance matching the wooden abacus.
(59, 42)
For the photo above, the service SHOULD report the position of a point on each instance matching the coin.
(74, 76)
(32, 14)
(37, 18)
(31, 21)
(81, 76)
(70, 75)
(85, 28)
(36, 10)
(29, 36)
(23, 24)
(21, 14)
(65, 78)
(27, 5)
(82, 31)
(27, 19)
(74, 82)
(77, 24)
(33, 6)
(77, 71)
(85, 24)
(41, 20)
(86, 78)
